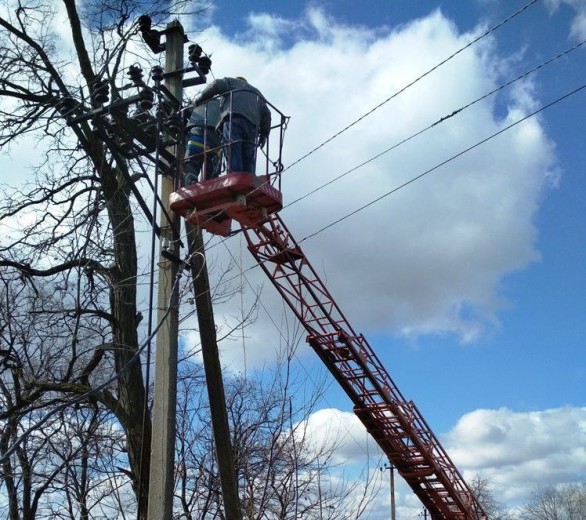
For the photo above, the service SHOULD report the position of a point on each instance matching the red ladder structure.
(395, 423)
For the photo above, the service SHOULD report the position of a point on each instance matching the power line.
(437, 166)
(80, 398)
(412, 180)
(442, 120)
(427, 73)
(154, 229)
(421, 175)
(439, 121)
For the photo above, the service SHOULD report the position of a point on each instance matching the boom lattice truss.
(394, 422)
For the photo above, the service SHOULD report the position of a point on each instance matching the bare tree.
(566, 502)
(70, 328)
(282, 472)
(483, 490)
(53, 451)
(73, 226)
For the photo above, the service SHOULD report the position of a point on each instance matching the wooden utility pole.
(160, 506)
(213, 371)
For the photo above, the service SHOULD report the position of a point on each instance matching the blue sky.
(471, 282)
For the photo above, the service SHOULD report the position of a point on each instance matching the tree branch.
(27, 270)
(83, 57)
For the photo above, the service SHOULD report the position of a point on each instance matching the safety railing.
(218, 138)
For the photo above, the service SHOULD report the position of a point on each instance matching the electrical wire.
(151, 291)
(419, 78)
(423, 174)
(420, 132)
(147, 344)
(544, 107)
(443, 163)
(94, 391)
(442, 120)
(439, 121)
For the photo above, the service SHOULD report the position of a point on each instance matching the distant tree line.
(562, 502)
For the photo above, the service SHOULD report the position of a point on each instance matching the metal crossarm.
(394, 422)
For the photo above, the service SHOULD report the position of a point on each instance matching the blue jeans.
(241, 144)
(195, 156)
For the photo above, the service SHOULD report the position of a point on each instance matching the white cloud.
(517, 451)
(431, 257)
(332, 428)
(578, 26)
(520, 451)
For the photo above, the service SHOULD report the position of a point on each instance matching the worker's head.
(241, 78)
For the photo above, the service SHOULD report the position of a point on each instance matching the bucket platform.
(214, 203)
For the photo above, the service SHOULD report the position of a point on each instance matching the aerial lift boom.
(394, 422)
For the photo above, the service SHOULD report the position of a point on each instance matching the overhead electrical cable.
(421, 175)
(419, 78)
(434, 168)
(154, 234)
(441, 120)
(443, 163)
(81, 397)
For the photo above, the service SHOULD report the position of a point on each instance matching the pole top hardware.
(152, 37)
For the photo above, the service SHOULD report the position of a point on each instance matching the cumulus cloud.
(578, 27)
(332, 428)
(517, 452)
(431, 257)
(520, 451)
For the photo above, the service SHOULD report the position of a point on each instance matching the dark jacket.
(206, 115)
(239, 97)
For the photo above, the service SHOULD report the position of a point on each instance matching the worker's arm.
(265, 125)
(219, 86)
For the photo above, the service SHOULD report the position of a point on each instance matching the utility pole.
(213, 371)
(391, 468)
(160, 505)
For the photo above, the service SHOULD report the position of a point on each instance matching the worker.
(203, 144)
(245, 120)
